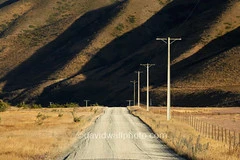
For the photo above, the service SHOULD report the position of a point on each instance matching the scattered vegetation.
(75, 118)
(3, 27)
(15, 16)
(32, 26)
(119, 27)
(2, 48)
(3, 106)
(67, 105)
(131, 19)
(71, 105)
(60, 115)
(163, 2)
(29, 106)
(61, 11)
(40, 118)
(40, 133)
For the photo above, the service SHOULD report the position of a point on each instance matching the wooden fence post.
(239, 139)
(225, 135)
(212, 132)
(200, 127)
(209, 130)
(222, 134)
(215, 130)
(234, 139)
(229, 134)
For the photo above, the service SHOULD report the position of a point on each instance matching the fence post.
(239, 139)
(229, 132)
(212, 132)
(222, 134)
(191, 120)
(209, 131)
(234, 140)
(215, 130)
(225, 135)
(204, 130)
(196, 124)
(200, 128)
(218, 133)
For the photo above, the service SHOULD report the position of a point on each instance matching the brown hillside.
(80, 49)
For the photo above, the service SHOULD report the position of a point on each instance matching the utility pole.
(134, 91)
(86, 101)
(168, 41)
(129, 102)
(147, 66)
(139, 86)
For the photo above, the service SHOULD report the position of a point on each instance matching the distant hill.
(70, 50)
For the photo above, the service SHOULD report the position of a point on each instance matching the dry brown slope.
(106, 61)
(111, 69)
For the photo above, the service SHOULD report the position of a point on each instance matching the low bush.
(60, 115)
(3, 106)
(36, 106)
(131, 19)
(55, 105)
(23, 105)
(71, 105)
(40, 118)
(77, 119)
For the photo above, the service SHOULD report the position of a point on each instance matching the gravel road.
(119, 135)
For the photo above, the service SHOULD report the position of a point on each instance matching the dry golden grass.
(183, 138)
(42, 133)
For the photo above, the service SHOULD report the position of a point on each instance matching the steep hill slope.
(90, 49)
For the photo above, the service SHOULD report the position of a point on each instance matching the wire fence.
(229, 137)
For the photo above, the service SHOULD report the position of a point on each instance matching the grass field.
(184, 139)
(42, 133)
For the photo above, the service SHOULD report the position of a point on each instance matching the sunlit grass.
(182, 137)
(22, 136)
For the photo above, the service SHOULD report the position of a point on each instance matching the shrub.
(40, 118)
(3, 26)
(95, 104)
(23, 105)
(119, 27)
(55, 105)
(77, 119)
(131, 19)
(3, 106)
(31, 26)
(60, 115)
(71, 105)
(36, 106)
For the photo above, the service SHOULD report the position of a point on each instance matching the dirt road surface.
(119, 135)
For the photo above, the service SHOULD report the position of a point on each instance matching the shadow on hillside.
(196, 62)
(63, 49)
(9, 2)
(200, 98)
(109, 72)
(194, 65)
